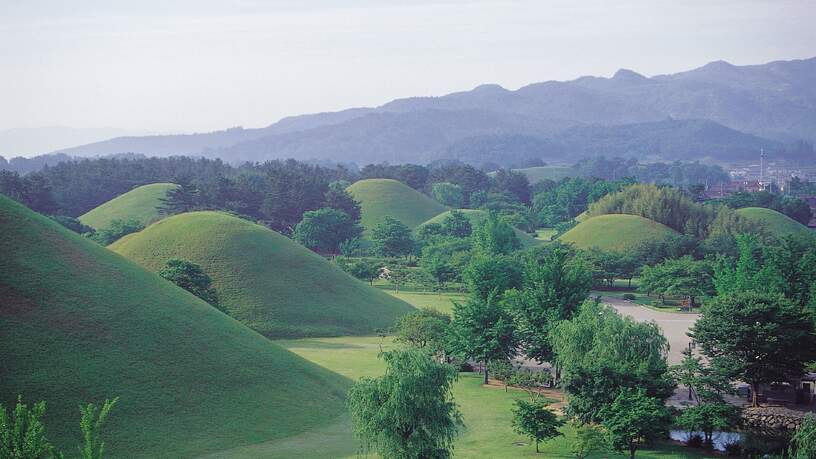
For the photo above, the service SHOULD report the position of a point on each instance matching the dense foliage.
(409, 412)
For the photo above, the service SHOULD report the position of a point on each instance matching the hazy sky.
(178, 66)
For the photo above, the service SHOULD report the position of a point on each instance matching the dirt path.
(674, 324)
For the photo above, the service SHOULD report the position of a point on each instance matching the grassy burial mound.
(773, 222)
(141, 204)
(265, 280)
(380, 198)
(476, 217)
(615, 232)
(79, 323)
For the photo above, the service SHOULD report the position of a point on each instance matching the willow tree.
(409, 412)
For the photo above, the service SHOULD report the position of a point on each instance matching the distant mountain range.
(719, 111)
(33, 141)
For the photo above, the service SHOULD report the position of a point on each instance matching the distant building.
(725, 189)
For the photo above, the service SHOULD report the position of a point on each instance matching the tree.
(514, 183)
(448, 194)
(708, 417)
(533, 419)
(184, 198)
(456, 224)
(362, 269)
(602, 353)
(409, 412)
(588, 439)
(487, 274)
(803, 443)
(502, 370)
(191, 277)
(757, 338)
(607, 266)
(482, 329)
(685, 277)
(494, 236)
(338, 198)
(554, 284)
(392, 238)
(22, 433)
(118, 228)
(323, 230)
(425, 330)
(439, 269)
(634, 419)
(91, 425)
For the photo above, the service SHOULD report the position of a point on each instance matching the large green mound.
(380, 198)
(265, 280)
(476, 217)
(140, 203)
(773, 222)
(79, 323)
(617, 232)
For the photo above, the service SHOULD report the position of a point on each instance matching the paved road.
(674, 324)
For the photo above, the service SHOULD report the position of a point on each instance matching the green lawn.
(265, 280)
(79, 324)
(775, 222)
(620, 232)
(140, 204)
(442, 302)
(385, 197)
(486, 411)
(545, 234)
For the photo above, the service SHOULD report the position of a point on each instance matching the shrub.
(694, 441)
(733, 449)
(629, 296)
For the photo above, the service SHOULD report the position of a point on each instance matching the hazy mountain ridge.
(743, 104)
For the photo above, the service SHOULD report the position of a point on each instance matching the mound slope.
(79, 323)
(140, 203)
(385, 197)
(477, 216)
(617, 232)
(265, 280)
(774, 222)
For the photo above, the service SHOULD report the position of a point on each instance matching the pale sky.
(201, 65)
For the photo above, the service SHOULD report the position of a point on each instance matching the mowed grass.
(380, 198)
(264, 279)
(442, 302)
(619, 232)
(545, 234)
(79, 324)
(775, 223)
(486, 410)
(141, 204)
(475, 217)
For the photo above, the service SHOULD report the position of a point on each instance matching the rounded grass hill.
(79, 324)
(475, 217)
(380, 198)
(264, 279)
(141, 204)
(775, 223)
(615, 232)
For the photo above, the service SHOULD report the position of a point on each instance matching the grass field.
(486, 411)
(537, 174)
(618, 232)
(545, 234)
(140, 204)
(267, 281)
(442, 302)
(79, 324)
(774, 222)
(475, 217)
(385, 197)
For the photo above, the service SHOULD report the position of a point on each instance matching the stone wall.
(772, 418)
